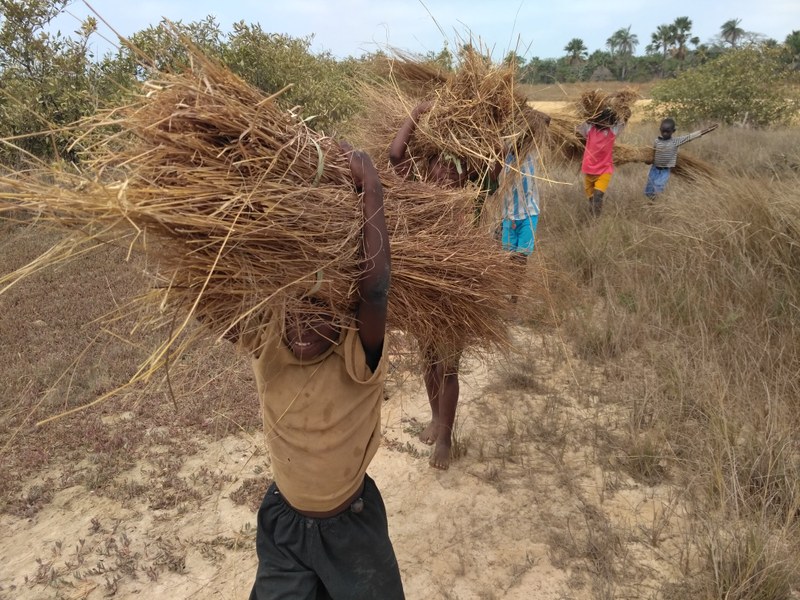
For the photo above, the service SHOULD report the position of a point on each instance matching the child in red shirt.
(598, 163)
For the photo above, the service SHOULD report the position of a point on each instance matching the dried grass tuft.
(385, 107)
(418, 78)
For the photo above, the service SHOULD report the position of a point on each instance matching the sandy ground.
(529, 512)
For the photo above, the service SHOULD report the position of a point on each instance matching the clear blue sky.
(538, 28)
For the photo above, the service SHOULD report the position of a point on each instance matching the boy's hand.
(421, 108)
(356, 163)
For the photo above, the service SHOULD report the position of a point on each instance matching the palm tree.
(576, 50)
(624, 43)
(683, 29)
(731, 32)
(662, 39)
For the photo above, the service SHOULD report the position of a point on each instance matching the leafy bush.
(750, 86)
(46, 80)
(271, 61)
(158, 47)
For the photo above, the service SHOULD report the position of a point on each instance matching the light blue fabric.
(657, 180)
(518, 234)
(521, 197)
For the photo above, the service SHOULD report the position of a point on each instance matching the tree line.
(48, 80)
(672, 49)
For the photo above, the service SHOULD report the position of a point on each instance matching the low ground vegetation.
(695, 307)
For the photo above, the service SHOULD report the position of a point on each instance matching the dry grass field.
(640, 442)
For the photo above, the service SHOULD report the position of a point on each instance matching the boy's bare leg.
(596, 206)
(433, 384)
(448, 401)
(521, 260)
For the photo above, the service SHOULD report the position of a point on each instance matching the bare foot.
(428, 436)
(440, 458)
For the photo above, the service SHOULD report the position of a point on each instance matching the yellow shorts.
(596, 182)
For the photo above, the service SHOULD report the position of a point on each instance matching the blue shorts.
(518, 234)
(657, 180)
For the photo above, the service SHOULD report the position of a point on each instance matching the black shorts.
(345, 557)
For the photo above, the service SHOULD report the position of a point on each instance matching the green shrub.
(47, 81)
(749, 86)
(271, 61)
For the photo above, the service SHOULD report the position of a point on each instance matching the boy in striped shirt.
(666, 155)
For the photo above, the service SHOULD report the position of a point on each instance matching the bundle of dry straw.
(593, 102)
(244, 208)
(687, 166)
(476, 111)
(384, 108)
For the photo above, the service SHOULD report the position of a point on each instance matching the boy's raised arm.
(398, 151)
(373, 286)
(695, 134)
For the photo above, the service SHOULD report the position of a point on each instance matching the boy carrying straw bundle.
(605, 115)
(322, 528)
(665, 156)
(441, 368)
(222, 184)
(597, 166)
(451, 142)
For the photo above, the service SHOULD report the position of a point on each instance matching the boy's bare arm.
(376, 265)
(695, 134)
(398, 151)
